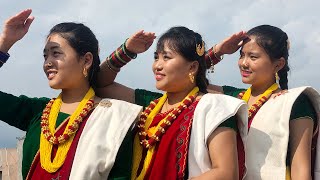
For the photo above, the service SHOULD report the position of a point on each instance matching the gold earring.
(277, 76)
(85, 72)
(191, 76)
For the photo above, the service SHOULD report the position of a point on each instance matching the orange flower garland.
(71, 129)
(147, 141)
(245, 95)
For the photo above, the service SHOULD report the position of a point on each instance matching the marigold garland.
(245, 95)
(64, 141)
(143, 140)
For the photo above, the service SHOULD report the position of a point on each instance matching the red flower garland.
(256, 106)
(72, 129)
(147, 141)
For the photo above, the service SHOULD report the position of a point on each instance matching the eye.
(45, 56)
(156, 57)
(166, 57)
(253, 57)
(241, 55)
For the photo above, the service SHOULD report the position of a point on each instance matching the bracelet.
(131, 55)
(111, 67)
(215, 55)
(4, 57)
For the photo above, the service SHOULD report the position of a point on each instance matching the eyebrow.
(51, 48)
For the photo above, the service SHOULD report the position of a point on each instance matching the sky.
(113, 21)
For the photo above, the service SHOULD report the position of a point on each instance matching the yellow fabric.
(46, 146)
(137, 147)
(288, 173)
(272, 88)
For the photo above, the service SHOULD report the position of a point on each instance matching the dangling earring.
(191, 76)
(85, 72)
(277, 76)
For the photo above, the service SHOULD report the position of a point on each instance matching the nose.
(244, 62)
(158, 65)
(48, 64)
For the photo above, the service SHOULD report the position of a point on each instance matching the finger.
(19, 18)
(138, 34)
(28, 23)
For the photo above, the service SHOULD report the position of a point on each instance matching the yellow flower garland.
(137, 147)
(46, 146)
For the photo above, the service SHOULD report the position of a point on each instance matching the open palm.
(140, 41)
(231, 44)
(16, 27)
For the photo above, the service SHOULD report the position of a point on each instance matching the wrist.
(127, 51)
(5, 44)
(217, 53)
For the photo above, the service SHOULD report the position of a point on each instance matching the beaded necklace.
(245, 95)
(64, 141)
(147, 116)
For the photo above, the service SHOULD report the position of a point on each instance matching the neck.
(176, 97)
(75, 94)
(257, 90)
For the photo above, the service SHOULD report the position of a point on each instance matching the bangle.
(215, 55)
(130, 54)
(4, 57)
(111, 67)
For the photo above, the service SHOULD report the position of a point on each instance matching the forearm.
(112, 65)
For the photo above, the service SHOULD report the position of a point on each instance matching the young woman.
(283, 128)
(76, 135)
(184, 133)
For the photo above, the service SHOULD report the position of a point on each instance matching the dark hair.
(275, 42)
(82, 40)
(184, 41)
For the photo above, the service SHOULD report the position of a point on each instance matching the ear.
(194, 66)
(279, 64)
(88, 60)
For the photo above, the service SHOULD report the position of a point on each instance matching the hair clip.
(200, 49)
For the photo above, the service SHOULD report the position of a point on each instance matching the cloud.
(113, 21)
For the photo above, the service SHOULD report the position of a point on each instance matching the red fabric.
(170, 158)
(38, 173)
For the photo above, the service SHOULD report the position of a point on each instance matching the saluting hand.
(140, 41)
(15, 29)
(231, 44)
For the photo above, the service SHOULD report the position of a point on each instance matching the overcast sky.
(113, 21)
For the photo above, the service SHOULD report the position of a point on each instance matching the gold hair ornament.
(200, 49)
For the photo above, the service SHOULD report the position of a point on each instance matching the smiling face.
(256, 67)
(172, 70)
(62, 65)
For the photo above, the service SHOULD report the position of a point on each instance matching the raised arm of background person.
(137, 43)
(15, 28)
(229, 45)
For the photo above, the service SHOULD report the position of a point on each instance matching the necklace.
(48, 137)
(147, 116)
(245, 95)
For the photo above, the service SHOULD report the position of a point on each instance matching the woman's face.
(171, 71)
(62, 65)
(256, 67)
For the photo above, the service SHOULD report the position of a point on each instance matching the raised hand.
(140, 41)
(231, 44)
(15, 29)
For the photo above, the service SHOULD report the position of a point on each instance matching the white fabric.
(211, 111)
(268, 137)
(101, 139)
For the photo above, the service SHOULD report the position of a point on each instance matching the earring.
(191, 76)
(277, 76)
(85, 72)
